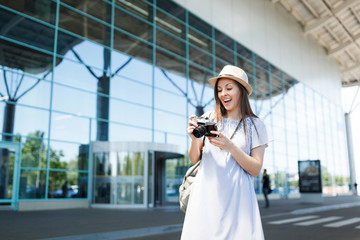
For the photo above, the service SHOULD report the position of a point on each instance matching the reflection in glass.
(120, 132)
(17, 63)
(28, 31)
(138, 164)
(124, 164)
(200, 57)
(7, 159)
(102, 190)
(224, 54)
(120, 178)
(124, 191)
(70, 128)
(170, 8)
(244, 52)
(169, 24)
(170, 82)
(199, 40)
(245, 65)
(132, 46)
(136, 115)
(102, 180)
(138, 8)
(68, 156)
(166, 122)
(138, 191)
(170, 43)
(85, 26)
(166, 101)
(174, 172)
(132, 66)
(95, 8)
(70, 100)
(170, 62)
(150, 178)
(32, 184)
(130, 91)
(67, 185)
(23, 84)
(133, 25)
(200, 25)
(34, 151)
(28, 120)
(224, 39)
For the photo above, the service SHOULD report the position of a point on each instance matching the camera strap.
(237, 127)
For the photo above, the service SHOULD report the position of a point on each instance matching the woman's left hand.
(221, 141)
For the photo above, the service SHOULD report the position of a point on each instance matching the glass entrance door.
(119, 178)
(167, 177)
(9, 174)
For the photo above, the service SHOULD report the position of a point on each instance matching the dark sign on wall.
(310, 176)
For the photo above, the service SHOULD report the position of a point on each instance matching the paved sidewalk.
(124, 224)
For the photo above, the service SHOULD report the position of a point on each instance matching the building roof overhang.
(335, 25)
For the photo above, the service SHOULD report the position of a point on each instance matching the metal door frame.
(16, 174)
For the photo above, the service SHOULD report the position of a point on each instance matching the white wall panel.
(271, 32)
(241, 22)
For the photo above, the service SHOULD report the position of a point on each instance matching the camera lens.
(199, 131)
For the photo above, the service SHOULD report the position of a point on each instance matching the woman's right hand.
(191, 126)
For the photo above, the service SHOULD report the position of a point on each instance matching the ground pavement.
(284, 217)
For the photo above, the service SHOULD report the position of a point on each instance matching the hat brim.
(247, 86)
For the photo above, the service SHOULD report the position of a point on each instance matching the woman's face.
(229, 94)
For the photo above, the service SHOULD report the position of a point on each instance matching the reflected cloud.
(63, 117)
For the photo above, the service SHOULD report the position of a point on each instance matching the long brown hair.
(245, 107)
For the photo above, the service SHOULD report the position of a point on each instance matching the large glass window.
(68, 127)
(29, 120)
(65, 155)
(168, 7)
(125, 66)
(130, 113)
(84, 26)
(34, 151)
(169, 122)
(135, 22)
(26, 30)
(32, 184)
(96, 8)
(132, 46)
(25, 88)
(170, 82)
(124, 132)
(67, 184)
(167, 60)
(130, 91)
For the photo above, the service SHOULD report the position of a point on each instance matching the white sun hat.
(234, 73)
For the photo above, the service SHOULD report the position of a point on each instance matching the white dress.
(223, 204)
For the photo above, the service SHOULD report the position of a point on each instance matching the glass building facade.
(74, 73)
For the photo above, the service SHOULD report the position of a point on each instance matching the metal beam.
(352, 68)
(340, 48)
(318, 24)
(311, 8)
(344, 6)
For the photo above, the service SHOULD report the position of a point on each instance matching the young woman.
(223, 203)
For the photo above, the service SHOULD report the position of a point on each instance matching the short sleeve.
(260, 134)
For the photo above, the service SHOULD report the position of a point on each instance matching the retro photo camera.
(205, 125)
